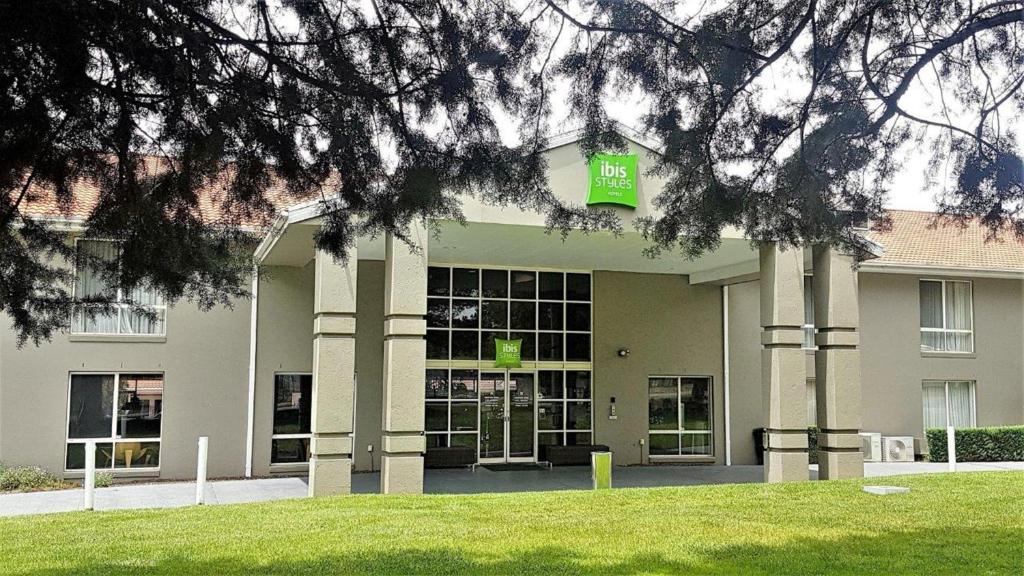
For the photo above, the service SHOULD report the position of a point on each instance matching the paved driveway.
(460, 481)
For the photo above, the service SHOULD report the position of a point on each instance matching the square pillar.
(837, 365)
(783, 372)
(405, 353)
(334, 362)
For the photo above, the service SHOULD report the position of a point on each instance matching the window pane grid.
(464, 320)
(947, 316)
(674, 403)
(132, 439)
(121, 320)
(948, 403)
(291, 431)
(458, 421)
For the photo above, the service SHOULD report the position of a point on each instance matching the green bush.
(994, 444)
(104, 479)
(28, 478)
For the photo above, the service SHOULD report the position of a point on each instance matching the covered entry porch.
(621, 327)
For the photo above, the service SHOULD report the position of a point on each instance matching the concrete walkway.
(459, 481)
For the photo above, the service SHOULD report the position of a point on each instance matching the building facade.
(336, 368)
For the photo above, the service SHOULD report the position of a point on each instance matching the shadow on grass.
(952, 551)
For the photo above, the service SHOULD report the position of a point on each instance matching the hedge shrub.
(994, 444)
(28, 478)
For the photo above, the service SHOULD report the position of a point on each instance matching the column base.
(838, 465)
(786, 467)
(401, 473)
(329, 476)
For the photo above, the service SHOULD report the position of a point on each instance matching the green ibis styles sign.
(508, 353)
(613, 180)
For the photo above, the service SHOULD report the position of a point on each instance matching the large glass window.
(293, 397)
(564, 415)
(122, 412)
(123, 318)
(679, 416)
(947, 316)
(451, 408)
(468, 308)
(948, 403)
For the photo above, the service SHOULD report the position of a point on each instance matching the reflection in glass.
(577, 317)
(551, 286)
(577, 416)
(664, 444)
(695, 401)
(437, 344)
(466, 282)
(578, 438)
(577, 384)
(90, 413)
(520, 422)
(437, 282)
(550, 416)
(488, 346)
(465, 344)
(577, 287)
(289, 450)
(75, 459)
(436, 416)
(549, 383)
(663, 405)
(524, 285)
(437, 312)
(140, 405)
(494, 314)
(492, 414)
(528, 350)
(463, 416)
(549, 315)
(577, 347)
(464, 384)
(437, 384)
(495, 283)
(293, 395)
(549, 346)
(465, 314)
(523, 315)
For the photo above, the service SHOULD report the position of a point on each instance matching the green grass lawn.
(949, 524)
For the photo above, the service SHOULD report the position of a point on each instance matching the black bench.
(449, 457)
(577, 455)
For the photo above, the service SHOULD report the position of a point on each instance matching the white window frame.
(78, 313)
(536, 331)
(972, 384)
(808, 327)
(564, 401)
(680, 430)
(945, 330)
(299, 436)
(447, 402)
(113, 440)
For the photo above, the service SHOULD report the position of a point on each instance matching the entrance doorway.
(507, 416)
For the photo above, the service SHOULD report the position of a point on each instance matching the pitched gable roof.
(920, 239)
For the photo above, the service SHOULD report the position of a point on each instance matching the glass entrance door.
(506, 416)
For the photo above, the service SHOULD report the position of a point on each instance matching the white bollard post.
(90, 475)
(204, 442)
(951, 447)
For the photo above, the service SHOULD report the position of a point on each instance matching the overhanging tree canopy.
(392, 110)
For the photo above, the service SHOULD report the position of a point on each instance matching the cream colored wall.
(205, 365)
(892, 364)
(671, 328)
(285, 344)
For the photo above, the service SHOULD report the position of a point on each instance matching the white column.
(783, 372)
(837, 365)
(405, 351)
(334, 355)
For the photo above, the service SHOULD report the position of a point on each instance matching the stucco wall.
(285, 344)
(892, 364)
(205, 367)
(671, 328)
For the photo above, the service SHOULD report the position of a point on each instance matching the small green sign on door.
(508, 353)
(613, 180)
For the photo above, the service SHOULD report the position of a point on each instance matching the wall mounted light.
(623, 352)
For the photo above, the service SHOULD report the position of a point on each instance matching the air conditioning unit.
(898, 448)
(871, 446)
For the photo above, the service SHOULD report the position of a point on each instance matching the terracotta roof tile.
(918, 238)
(42, 202)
